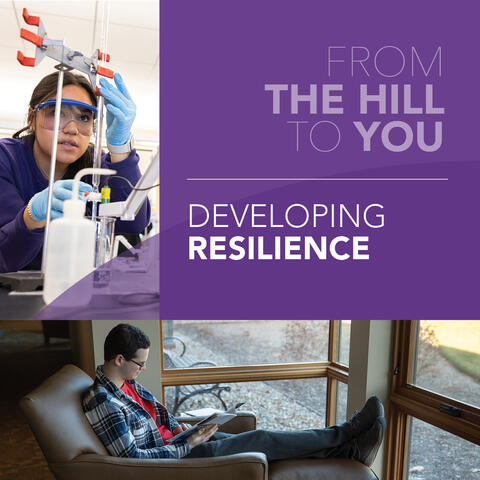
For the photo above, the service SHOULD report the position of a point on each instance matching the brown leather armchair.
(73, 451)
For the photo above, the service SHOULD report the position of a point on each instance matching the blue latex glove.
(121, 110)
(62, 190)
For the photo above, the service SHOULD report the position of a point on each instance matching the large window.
(434, 423)
(252, 342)
(437, 454)
(447, 359)
(278, 404)
(275, 367)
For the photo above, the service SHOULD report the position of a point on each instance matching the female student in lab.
(25, 163)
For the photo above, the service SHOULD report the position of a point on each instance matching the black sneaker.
(361, 421)
(368, 443)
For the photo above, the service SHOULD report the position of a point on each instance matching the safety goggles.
(81, 113)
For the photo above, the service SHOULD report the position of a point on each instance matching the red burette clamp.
(30, 37)
(105, 72)
(100, 56)
(25, 61)
(30, 19)
(58, 51)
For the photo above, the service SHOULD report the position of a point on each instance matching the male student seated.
(130, 422)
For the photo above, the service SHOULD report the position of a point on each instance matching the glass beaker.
(104, 239)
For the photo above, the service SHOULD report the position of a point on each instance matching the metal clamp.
(55, 49)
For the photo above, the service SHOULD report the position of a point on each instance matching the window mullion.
(331, 411)
(245, 373)
(396, 444)
(333, 337)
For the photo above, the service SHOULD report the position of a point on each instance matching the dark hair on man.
(47, 88)
(124, 339)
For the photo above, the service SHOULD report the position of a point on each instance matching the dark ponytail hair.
(47, 87)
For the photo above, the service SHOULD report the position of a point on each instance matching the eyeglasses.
(81, 113)
(140, 364)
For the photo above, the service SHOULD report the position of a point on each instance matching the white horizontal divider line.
(355, 179)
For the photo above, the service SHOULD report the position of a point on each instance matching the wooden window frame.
(337, 372)
(330, 369)
(408, 400)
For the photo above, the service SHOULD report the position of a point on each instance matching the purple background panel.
(125, 288)
(217, 122)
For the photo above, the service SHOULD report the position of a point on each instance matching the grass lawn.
(459, 343)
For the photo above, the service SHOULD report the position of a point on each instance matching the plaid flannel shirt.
(124, 427)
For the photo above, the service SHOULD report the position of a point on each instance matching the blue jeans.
(278, 445)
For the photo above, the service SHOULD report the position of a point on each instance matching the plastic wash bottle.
(71, 248)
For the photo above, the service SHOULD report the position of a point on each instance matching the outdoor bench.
(174, 357)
